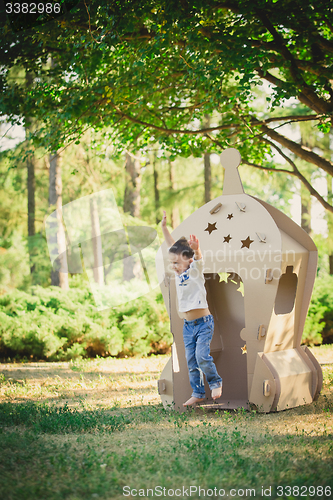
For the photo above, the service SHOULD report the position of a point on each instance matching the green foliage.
(144, 325)
(40, 260)
(14, 262)
(56, 325)
(322, 243)
(318, 327)
(153, 71)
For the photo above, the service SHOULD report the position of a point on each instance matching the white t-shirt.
(190, 287)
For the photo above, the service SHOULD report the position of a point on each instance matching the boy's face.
(179, 263)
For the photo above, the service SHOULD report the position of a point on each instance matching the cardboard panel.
(317, 367)
(165, 385)
(226, 302)
(295, 378)
(263, 378)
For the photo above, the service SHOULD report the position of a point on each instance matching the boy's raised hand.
(193, 242)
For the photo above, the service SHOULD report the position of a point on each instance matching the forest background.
(141, 97)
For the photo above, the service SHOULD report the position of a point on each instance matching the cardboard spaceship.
(259, 269)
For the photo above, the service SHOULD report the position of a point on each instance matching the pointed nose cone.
(230, 160)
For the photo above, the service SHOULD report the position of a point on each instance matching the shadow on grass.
(50, 418)
(66, 373)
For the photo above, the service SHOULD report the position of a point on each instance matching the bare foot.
(216, 393)
(192, 401)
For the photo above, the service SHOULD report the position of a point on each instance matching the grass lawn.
(97, 430)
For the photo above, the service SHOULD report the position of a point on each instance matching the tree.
(207, 168)
(58, 278)
(156, 189)
(31, 183)
(154, 69)
(175, 221)
(133, 184)
(132, 198)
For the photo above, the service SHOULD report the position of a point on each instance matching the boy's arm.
(167, 236)
(194, 244)
(197, 254)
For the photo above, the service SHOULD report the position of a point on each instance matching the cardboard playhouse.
(259, 269)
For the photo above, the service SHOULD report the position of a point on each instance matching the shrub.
(14, 262)
(318, 327)
(145, 326)
(53, 324)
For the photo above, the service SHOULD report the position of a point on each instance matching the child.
(198, 323)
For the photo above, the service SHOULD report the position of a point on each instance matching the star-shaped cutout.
(227, 239)
(246, 243)
(230, 216)
(211, 227)
(244, 350)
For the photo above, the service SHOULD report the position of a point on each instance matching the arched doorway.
(225, 295)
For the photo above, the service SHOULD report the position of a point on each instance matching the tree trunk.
(330, 262)
(208, 169)
(208, 177)
(175, 219)
(98, 270)
(58, 278)
(31, 184)
(132, 196)
(329, 218)
(156, 191)
(132, 200)
(305, 209)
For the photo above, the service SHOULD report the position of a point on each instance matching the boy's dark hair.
(181, 247)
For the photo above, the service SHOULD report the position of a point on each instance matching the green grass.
(50, 419)
(117, 441)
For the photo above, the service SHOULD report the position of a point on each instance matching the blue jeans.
(197, 335)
